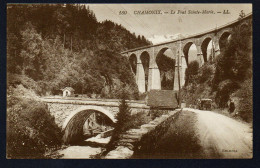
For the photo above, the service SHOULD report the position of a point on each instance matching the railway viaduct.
(180, 49)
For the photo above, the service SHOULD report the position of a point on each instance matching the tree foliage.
(166, 66)
(234, 64)
(31, 130)
(60, 45)
(191, 71)
(245, 106)
(123, 117)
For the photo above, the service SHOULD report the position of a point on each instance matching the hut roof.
(69, 89)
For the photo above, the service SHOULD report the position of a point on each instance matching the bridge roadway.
(97, 102)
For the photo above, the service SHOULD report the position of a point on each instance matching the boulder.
(120, 153)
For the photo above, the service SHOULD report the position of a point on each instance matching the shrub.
(28, 83)
(142, 96)
(192, 70)
(31, 130)
(236, 60)
(138, 119)
(206, 74)
(157, 113)
(116, 91)
(245, 106)
(225, 89)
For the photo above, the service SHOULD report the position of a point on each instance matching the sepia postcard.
(129, 81)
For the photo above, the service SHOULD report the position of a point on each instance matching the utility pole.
(212, 51)
(179, 79)
(64, 39)
(213, 45)
(71, 43)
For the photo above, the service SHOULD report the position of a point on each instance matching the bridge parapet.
(96, 102)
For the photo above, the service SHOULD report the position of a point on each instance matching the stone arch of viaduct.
(179, 48)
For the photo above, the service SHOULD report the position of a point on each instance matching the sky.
(151, 25)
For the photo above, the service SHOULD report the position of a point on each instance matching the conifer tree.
(122, 117)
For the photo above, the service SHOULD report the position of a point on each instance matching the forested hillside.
(50, 47)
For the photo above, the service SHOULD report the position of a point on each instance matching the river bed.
(84, 151)
(79, 152)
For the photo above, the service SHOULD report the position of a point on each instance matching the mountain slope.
(54, 46)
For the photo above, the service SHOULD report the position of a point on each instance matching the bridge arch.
(224, 38)
(165, 60)
(161, 49)
(145, 60)
(187, 51)
(73, 126)
(206, 48)
(133, 62)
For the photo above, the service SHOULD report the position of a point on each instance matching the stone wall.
(61, 111)
(126, 144)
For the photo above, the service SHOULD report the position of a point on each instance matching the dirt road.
(221, 136)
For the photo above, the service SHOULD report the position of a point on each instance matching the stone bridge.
(71, 113)
(180, 49)
(63, 109)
